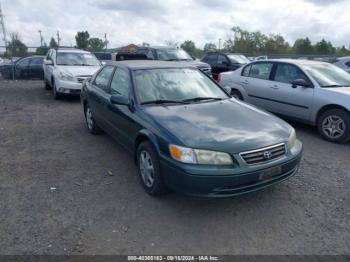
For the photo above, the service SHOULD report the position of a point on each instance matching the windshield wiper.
(196, 99)
(163, 101)
(333, 86)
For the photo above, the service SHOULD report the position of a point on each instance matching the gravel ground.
(64, 191)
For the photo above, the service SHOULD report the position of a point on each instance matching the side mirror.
(48, 62)
(119, 100)
(103, 63)
(300, 82)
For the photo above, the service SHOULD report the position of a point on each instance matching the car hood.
(80, 70)
(228, 125)
(340, 90)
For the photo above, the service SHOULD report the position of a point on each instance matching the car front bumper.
(221, 182)
(68, 87)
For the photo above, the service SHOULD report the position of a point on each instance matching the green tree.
(96, 44)
(342, 51)
(324, 48)
(208, 47)
(82, 40)
(16, 47)
(303, 47)
(42, 50)
(190, 47)
(275, 44)
(53, 43)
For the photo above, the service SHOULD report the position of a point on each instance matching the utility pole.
(2, 22)
(219, 44)
(106, 42)
(41, 38)
(58, 38)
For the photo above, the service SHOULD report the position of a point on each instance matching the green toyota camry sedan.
(186, 133)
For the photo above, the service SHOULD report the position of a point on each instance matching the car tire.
(47, 86)
(148, 169)
(236, 94)
(56, 95)
(334, 125)
(91, 125)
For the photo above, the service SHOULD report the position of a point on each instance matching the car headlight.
(66, 77)
(292, 139)
(198, 156)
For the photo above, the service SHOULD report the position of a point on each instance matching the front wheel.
(47, 86)
(56, 95)
(148, 168)
(334, 125)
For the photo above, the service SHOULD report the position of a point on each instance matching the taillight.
(218, 78)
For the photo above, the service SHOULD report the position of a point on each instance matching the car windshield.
(77, 59)
(173, 54)
(176, 85)
(239, 59)
(328, 75)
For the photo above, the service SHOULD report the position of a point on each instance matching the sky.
(158, 21)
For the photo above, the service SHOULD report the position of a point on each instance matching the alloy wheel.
(146, 168)
(333, 126)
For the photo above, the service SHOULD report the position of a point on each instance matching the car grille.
(264, 154)
(81, 79)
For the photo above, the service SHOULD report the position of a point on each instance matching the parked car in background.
(104, 56)
(166, 53)
(343, 63)
(186, 133)
(312, 92)
(223, 62)
(119, 56)
(65, 69)
(23, 68)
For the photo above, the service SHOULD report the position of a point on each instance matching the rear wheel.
(90, 122)
(148, 168)
(236, 94)
(334, 125)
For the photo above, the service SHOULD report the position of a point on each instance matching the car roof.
(149, 64)
(71, 50)
(292, 61)
(343, 58)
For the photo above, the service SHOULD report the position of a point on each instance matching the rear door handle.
(274, 87)
(245, 82)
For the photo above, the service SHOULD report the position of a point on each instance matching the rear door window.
(211, 59)
(261, 70)
(222, 60)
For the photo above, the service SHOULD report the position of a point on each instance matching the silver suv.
(312, 92)
(65, 69)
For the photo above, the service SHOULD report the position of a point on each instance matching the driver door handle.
(275, 87)
(245, 82)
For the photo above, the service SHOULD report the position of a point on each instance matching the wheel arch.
(143, 136)
(235, 87)
(329, 107)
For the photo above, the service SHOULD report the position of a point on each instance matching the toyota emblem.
(267, 155)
